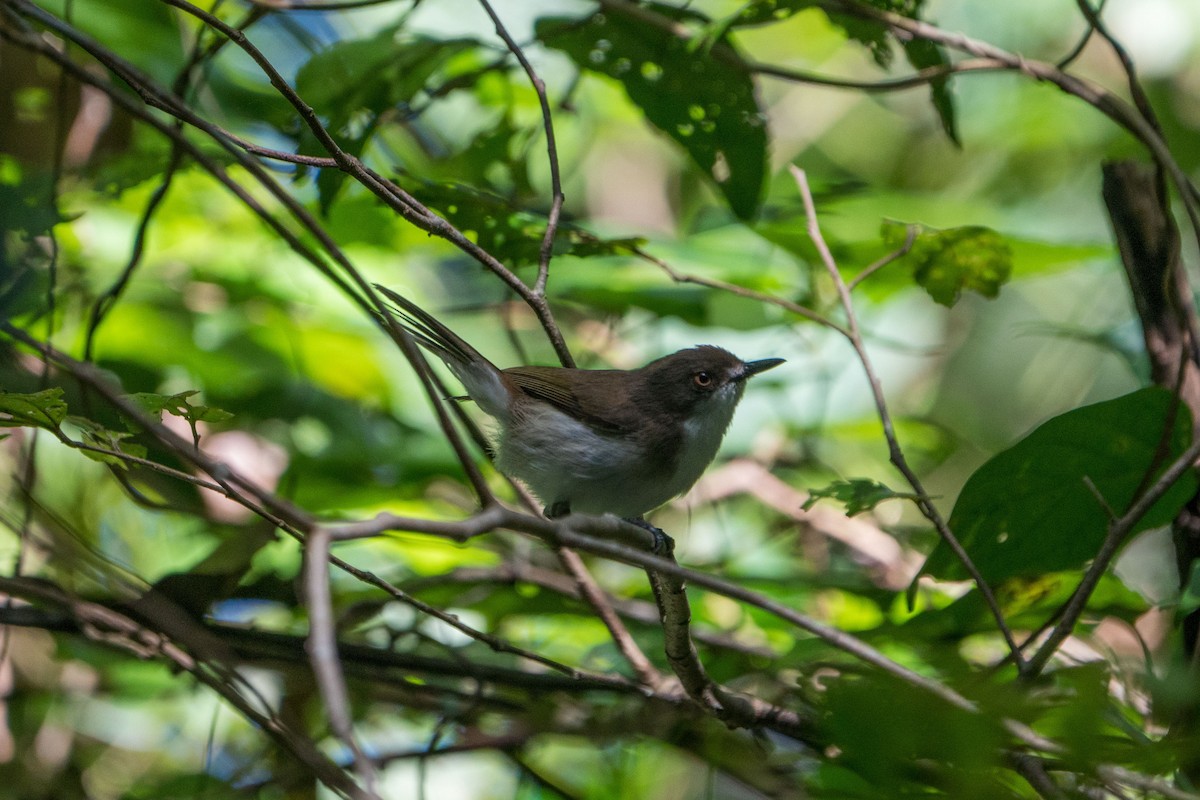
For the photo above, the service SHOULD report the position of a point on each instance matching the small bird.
(598, 441)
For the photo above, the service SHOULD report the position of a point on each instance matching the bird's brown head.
(684, 382)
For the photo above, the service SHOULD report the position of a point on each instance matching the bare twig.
(910, 236)
(1079, 47)
(740, 291)
(194, 650)
(539, 86)
(593, 595)
(323, 653)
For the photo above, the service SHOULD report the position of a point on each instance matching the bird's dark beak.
(762, 365)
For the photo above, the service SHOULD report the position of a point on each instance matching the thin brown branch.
(740, 291)
(910, 237)
(1081, 45)
(1140, 100)
(539, 86)
(323, 654)
(895, 452)
(593, 595)
(733, 708)
(193, 650)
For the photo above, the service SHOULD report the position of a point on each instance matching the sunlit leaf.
(704, 103)
(1040, 506)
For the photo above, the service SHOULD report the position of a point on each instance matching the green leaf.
(704, 103)
(945, 262)
(1030, 510)
(875, 36)
(882, 726)
(353, 83)
(44, 409)
(1189, 601)
(97, 435)
(857, 495)
(922, 53)
(177, 405)
(512, 235)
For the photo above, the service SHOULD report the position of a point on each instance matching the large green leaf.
(705, 104)
(1034, 509)
(882, 727)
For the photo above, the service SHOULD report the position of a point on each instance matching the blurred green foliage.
(1001, 340)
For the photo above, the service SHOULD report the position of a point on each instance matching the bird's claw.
(663, 545)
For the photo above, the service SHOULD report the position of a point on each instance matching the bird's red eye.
(703, 380)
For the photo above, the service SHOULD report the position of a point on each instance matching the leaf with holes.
(946, 262)
(44, 409)
(178, 405)
(507, 232)
(704, 103)
(857, 495)
(1043, 504)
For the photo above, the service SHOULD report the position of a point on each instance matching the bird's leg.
(663, 545)
(559, 508)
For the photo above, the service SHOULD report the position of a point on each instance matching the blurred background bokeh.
(299, 388)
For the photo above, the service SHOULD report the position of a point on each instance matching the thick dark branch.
(154, 627)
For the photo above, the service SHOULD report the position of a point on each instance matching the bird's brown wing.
(558, 387)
